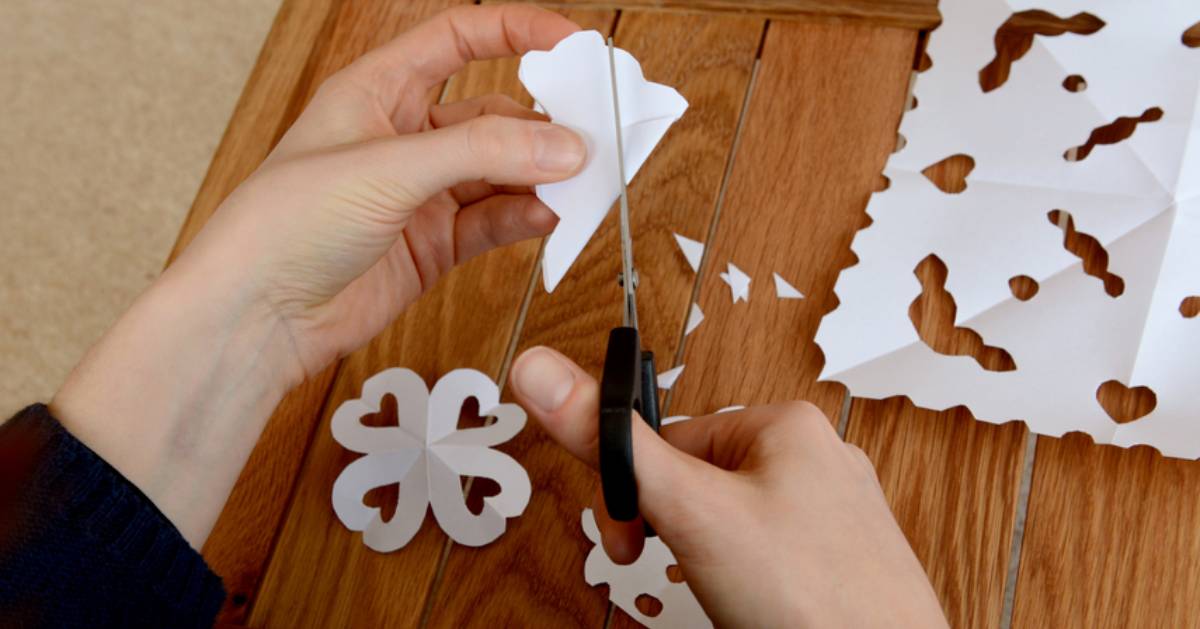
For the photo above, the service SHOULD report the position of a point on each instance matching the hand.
(374, 194)
(369, 198)
(774, 520)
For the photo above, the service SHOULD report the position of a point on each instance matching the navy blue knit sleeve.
(81, 546)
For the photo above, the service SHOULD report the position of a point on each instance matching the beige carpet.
(109, 113)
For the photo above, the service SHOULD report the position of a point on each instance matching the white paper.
(573, 84)
(739, 283)
(647, 575)
(693, 251)
(1138, 198)
(783, 290)
(667, 379)
(695, 316)
(426, 454)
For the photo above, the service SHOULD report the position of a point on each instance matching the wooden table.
(794, 109)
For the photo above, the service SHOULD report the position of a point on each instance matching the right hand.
(775, 521)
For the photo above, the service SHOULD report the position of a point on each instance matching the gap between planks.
(509, 354)
(913, 15)
(1014, 558)
(712, 226)
(712, 230)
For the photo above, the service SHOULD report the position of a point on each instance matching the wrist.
(175, 394)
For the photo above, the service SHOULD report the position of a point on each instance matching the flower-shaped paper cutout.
(426, 454)
(647, 575)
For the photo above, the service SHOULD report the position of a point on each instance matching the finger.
(726, 439)
(565, 401)
(562, 397)
(442, 45)
(461, 111)
(623, 541)
(496, 149)
(469, 192)
(499, 220)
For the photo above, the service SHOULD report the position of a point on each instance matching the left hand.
(374, 194)
(370, 197)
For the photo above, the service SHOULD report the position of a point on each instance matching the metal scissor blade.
(628, 275)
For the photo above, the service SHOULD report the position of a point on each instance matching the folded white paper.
(1139, 198)
(692, 251)
(647, 575)
(426, 454)
(739, 283)
(572, 84)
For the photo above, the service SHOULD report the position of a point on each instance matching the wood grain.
(819, 127)
(541, 556)
(307, 43)
(953, 483)
(467, 320)
(914, 14)
(820, 123)
(1112, 538)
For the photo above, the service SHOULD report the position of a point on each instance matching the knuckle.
(791, 422)
(487, 136)
(805, 416)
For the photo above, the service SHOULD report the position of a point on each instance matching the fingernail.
(544, 379)
(557, 150)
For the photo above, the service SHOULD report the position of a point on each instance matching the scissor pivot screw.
(621, 279)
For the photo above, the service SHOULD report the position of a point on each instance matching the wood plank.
(953, 484)
(1112, 538)
(304, 47)
(820, 125)
(709, 59)
(914, 14)
(467, 320)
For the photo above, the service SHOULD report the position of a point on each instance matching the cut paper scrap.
(695, 316)
(783, 290)
(646, 576)
(691, 250)
(426, 454)
(739, 283)
(667, 379)
(1138, 199)
(572, 83)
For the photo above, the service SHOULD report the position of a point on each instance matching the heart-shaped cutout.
(1125, 404)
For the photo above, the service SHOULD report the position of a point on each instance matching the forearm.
(175, 395)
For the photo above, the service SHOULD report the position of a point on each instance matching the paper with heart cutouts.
(1139, 198)
(572, 84)
(426, 454)
(647, 575)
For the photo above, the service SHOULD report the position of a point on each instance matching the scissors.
(628, 381)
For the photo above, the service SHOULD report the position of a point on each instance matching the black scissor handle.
(627, 385)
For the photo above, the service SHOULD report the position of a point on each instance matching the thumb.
(493, 148)
(566, 400)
